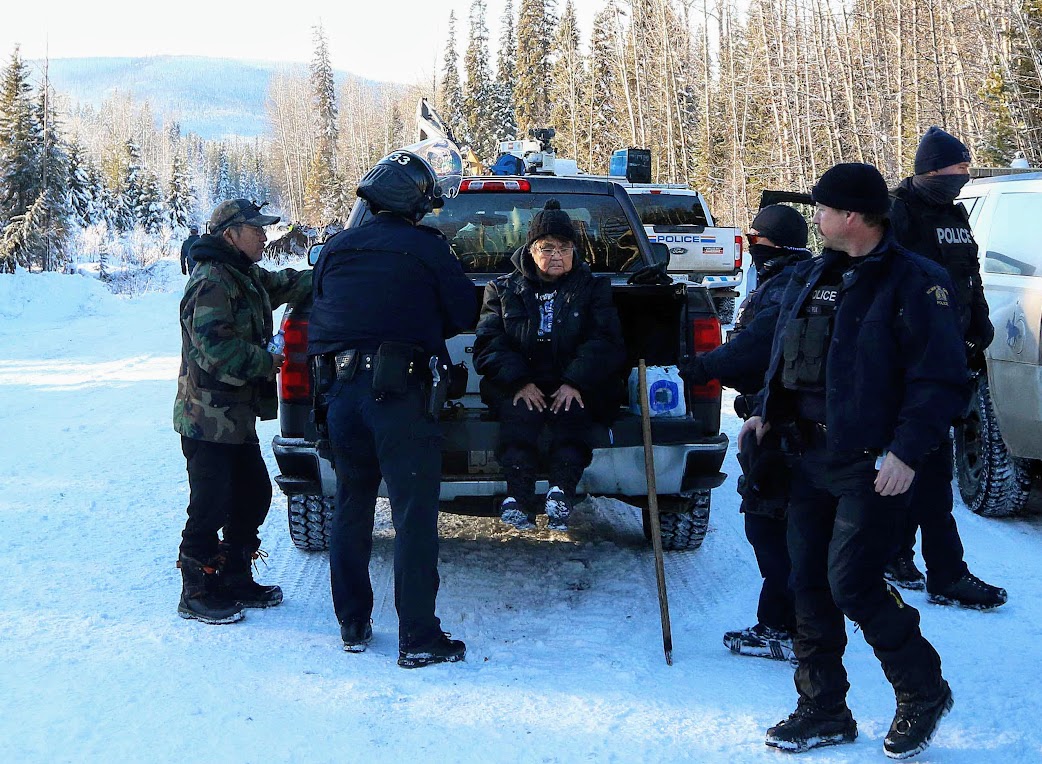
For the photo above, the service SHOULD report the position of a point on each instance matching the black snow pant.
(229, 488)
(840, 537)
(930, 510)
(393, 439)
(767, 535)
(518, 451)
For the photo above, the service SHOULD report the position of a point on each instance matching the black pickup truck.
(485, 224)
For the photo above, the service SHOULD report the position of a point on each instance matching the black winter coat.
(388, 280)
(742, 361)
(942, 233)
(896, 371)
(587, 346)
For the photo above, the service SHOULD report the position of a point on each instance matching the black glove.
(650, 274)
(693, 371)
(975, 357)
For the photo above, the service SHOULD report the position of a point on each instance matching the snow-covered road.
(564, 656)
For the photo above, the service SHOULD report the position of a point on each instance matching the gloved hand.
(650, 274)
(693, 370)
(975, 357)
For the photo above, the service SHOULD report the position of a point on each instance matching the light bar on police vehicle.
(495, 185)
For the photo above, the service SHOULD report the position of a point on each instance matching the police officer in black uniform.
(386, 296)
(777, 243)
(868, 367)
(926, 220)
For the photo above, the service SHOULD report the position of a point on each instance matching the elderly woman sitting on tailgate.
(549, 348)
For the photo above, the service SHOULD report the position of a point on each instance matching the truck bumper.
(617, 471)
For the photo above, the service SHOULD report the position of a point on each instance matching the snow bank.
(52, 296)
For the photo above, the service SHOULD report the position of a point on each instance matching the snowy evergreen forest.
(730, 97)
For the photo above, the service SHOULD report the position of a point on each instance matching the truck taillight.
(705, 336)
(295, 376)
(738, 252)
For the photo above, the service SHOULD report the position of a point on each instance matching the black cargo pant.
(767, 535)
(518, 452)
(930, 509)
(840, 536)
(392, 438)
(229, 488)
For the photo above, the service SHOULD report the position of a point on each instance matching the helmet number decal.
(400, 157)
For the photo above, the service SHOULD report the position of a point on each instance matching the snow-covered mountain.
(213, 97)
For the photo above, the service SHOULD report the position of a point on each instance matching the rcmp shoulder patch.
(940, 294)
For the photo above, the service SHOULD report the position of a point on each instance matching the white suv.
(999, 446)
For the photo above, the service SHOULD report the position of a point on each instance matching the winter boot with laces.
(901, 571)
(513, 513)
(438, 649)
(559, 505)
(201, 596)
(761, 641)
(969, 592)
(811, 726)
(356, 634)
(237, 577)
(915, 722)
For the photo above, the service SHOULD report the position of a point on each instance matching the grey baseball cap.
(238, 212)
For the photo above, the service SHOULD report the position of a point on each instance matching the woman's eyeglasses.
(549, 252)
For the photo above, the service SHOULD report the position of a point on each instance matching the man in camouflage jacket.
(227, 381)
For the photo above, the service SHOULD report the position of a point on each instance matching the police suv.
(998, 448)
(484, 225)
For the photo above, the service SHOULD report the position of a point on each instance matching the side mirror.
(659, 253)
(313, 252)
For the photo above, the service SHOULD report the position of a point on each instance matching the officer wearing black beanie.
(852, 373)
(777, 243)
(926, 220)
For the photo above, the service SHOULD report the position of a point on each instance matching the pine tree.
(222, 187)
(149, 208)
(19, 142)
(477, 93)
(532, 66)
(322, 185)
(504, 121)
(180, 199)
(129, 192)
(604, 129)
(82, 194)
(568, 77)
(54, 184)
(450, 101)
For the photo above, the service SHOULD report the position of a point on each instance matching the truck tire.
(992, 482)
(310, 521)
(683, 521)
(725, 308)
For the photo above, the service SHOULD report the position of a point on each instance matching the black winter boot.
(902, 571)
(356, 635)
(437, 649)
(201, 595)
(237, 577)
(915, 722)
(811, 726)
(969, 592)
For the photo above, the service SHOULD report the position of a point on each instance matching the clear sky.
(389, 40)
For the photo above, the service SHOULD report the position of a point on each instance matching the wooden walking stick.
(656, 533)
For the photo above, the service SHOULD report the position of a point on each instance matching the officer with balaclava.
(777, 242)
(926, 220)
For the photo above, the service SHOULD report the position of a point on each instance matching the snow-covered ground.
(564, 656)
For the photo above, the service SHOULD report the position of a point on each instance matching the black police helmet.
(401, 183)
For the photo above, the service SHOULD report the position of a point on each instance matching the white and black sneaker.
(762, 642)
(511, 513)
(558, 509)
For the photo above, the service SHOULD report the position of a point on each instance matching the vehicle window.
(485, 229)
(665, 209)
(972, 205)
(1012, 243)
